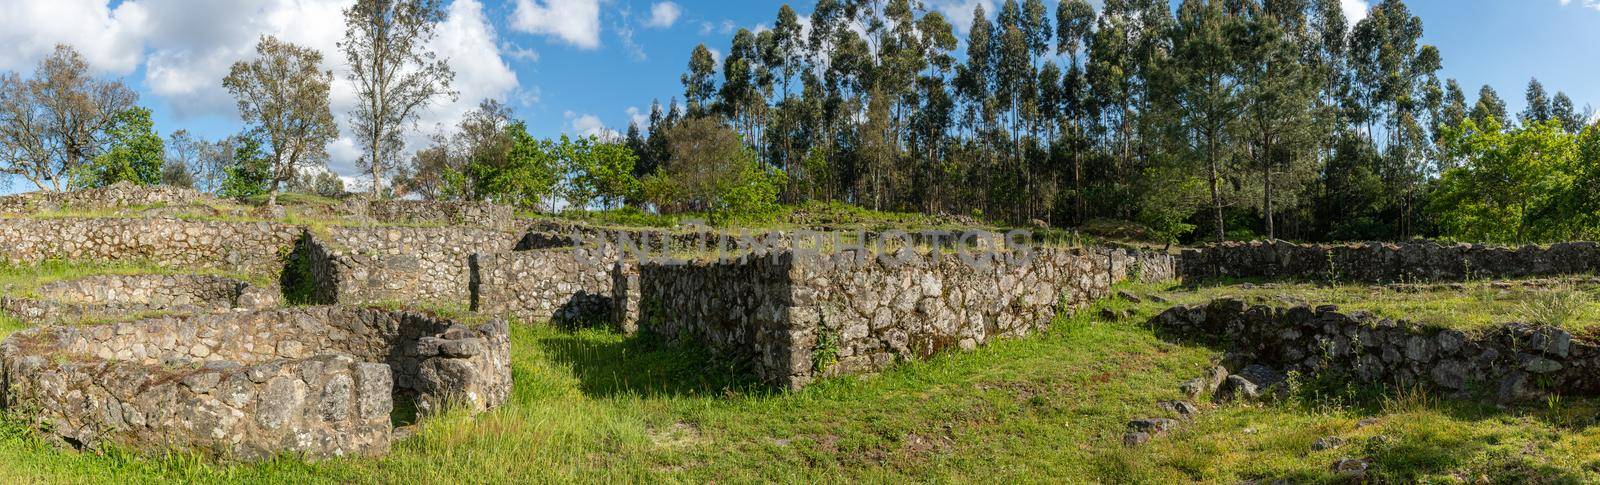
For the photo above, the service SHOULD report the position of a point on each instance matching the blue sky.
(581, 66)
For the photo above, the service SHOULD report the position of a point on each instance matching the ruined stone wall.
(796, 319)
(314, 380)
(246, 247)
(1386, 262)
(121, 295)
(1509, 363)
(559, 285)
(118, 195)
(373, 264)
(424, 212)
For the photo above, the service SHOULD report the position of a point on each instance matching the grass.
(594, 406)
(1568, 303)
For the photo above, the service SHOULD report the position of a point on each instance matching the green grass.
(595, 406)
(1573, 304)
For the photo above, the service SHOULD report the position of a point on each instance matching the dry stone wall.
(419, 212)
(564, 286)
(1387, 262)
(315, 380)
(245, 247)
(118, 195)
(120, 295)
(375, 264)
(1514, 362)
(795, 319)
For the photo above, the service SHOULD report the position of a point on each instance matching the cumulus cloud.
(111, 40)
(587, 125)
(664, 15)
(1594, 4)
(187, 47)
(959, 12)
(1356, 10)
(638, 118)
(575, 22)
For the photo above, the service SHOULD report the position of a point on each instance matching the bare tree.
(395, 74)
(52, 123)
(283, 95)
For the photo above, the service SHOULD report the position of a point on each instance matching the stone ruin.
(317, 381)
(1513, 362)
(120, 295)
(1374, 262)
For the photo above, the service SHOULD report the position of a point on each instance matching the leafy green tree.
(250, 173)
(1538, 110)
(283, 96)
(1509, 180)
(529, 175)
(699, 87)
(135, 153)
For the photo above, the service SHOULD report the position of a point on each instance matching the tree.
(1490, 109)
(394, 73)
(528, 176)
(323, 183)
(283, 97)
(698, 85)
(134, 154)
(1539, 110)
(598, 170)
(712, 171)
(250, 172)
(1509, 180)
(1206, 86)
(57, 120)
(1562, 110)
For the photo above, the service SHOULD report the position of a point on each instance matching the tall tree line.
(1250, 118)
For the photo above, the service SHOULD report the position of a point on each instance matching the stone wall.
(795, 319)
(312, 380)
(376, 264)
(118, 195)
(1386, 262)
(120, 295)
(1509, 363)
(564, 286)
(246, 247)
(420, 212)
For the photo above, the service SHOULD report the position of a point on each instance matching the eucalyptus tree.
(394, 73)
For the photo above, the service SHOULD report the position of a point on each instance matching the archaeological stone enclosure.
(261, 337)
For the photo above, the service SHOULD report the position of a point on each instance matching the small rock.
(1129, 296)
(1135, 438)
(1193, 388)
(1158, 299)
(1236, 388)
(1183, 409)
(1352, 468)
(1365, 422)
(1327, 443)
(1152, 425)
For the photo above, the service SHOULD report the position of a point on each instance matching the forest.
(1202, 120)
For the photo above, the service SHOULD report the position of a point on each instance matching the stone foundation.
(355, 265)
(318, 381)
(240, 247)
(1386, 262)
(1510, 363)
(564, 286)
(120, 295)
(421, 212)
(119, 195)
(795, 319)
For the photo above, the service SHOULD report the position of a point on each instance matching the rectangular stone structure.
(564, 286)
(794, 319)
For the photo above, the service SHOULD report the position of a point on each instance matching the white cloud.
(664, 15)
(111, 40)
(1354, 10)
(587, 125)
(638, 118)
(576, 22)
(706, 28)
(1594, 4)
(959, 12)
